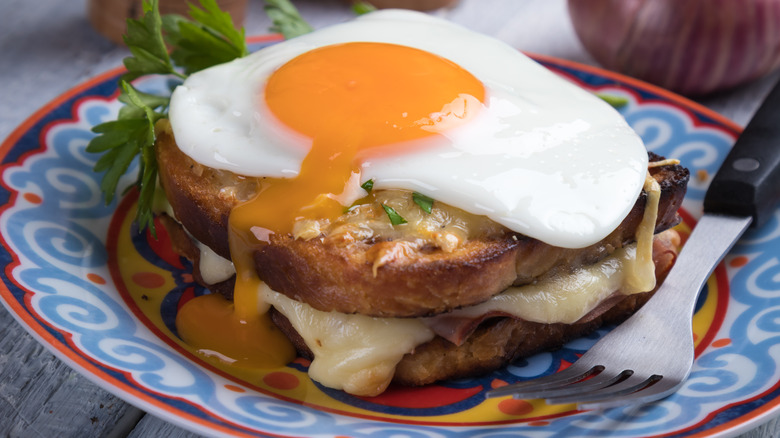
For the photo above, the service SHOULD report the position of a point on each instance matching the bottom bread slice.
(500, 340)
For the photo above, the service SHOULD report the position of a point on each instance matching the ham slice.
(456, 328)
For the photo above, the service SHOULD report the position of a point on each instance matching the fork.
(650, 355)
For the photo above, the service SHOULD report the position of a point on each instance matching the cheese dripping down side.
(567, 297)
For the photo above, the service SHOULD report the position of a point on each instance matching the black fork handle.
(748, 182)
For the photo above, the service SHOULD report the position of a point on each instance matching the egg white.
(544, 158)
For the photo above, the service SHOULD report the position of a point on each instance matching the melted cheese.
(641, 271)
(568, 297)
(213, 267)
(562, 298)
(356, 353)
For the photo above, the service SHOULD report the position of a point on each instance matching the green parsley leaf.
(286, 19)
(210, 39)
(116, 160)
(144, 39)
(113, 134)
(121, 141)
(423, 201)
(360, 8)
(153, 101)
(147, 175)
(368, 185)
(221, 22)
(617, 102)
(395, 218)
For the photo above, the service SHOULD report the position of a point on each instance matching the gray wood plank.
(41, 396)
(152, 426)
(769, 430)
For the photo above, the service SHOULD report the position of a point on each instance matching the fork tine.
(656, 391)
(623, 388)
(575, 389)
(574, 373)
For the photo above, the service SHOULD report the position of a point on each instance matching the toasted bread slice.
(402, 277)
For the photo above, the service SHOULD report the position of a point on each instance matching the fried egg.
(413, 102)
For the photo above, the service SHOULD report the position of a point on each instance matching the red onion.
(693, 47)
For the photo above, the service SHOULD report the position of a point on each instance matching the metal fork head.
(594, 386)
(650, 355)
(614, 373)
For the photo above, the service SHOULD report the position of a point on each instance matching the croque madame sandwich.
(410, 201)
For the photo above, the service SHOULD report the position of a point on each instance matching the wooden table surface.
(48, 46)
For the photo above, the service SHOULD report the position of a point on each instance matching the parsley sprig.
(286, 19)
(120, 141)
(145, 40)
(210, 38)
(207, 39)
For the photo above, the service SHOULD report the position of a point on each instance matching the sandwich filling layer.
(358, 353)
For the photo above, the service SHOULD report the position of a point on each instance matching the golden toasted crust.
(413, 279)
(341, 278)
(200, 196)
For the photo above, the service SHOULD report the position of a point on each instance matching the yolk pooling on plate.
(209, 325)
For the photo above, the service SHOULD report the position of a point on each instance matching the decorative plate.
(103, 297)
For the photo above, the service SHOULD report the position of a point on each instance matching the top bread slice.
(388, 277)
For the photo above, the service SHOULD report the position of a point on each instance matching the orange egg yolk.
(350, 100)
(355, 101)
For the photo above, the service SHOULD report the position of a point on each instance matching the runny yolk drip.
(351, 100)
(208, 325)
(355, 101)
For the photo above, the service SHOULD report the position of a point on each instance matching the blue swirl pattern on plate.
(54, 238)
